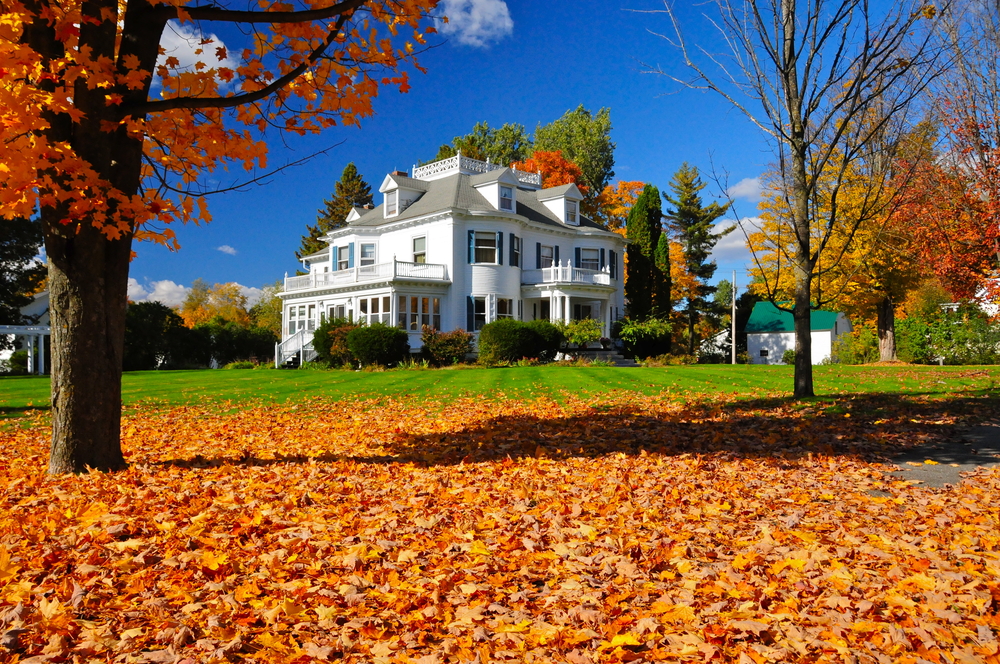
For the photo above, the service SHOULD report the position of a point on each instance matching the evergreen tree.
(641, 273)
(351, 191)
(694, 223)
(20, 274)
(662, 306)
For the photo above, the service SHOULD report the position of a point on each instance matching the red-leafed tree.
(555, 169)
(109, 138)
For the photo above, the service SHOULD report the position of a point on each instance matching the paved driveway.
(972, 448)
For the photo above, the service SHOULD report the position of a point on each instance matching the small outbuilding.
(771, 332)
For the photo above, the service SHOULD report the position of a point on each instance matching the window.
(420, 250)
(507, 198)
(763, 352)
(311, 318)
(479, 313)
(505, 308)
(343, 257)
(415, 312)
(546, 310)
(367, 254)
(391, 200)
(590, 259)
(571, 212)
(546, 256)
(486, 248)
(291, 320)
(515, 251)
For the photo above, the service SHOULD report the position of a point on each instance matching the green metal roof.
(768, 318)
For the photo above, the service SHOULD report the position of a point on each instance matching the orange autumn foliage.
(577, 530)
(615, 202)
(556, 170)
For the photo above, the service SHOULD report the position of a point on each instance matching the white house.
(32, 338)
(459, 244)
(771, 332)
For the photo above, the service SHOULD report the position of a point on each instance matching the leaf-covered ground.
(623, 528)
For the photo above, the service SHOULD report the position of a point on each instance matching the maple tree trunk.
(88, 280)
(887, 330)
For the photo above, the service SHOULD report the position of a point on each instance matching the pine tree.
(694, 223)
(20, 274)
(643, 232)
(351, 191)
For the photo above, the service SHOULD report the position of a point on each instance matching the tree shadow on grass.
(864, 427)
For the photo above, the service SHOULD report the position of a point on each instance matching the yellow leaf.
(930, 462)
(626, 639)
(8, 570)
(518, 627)
(213, 561)
(479, 549)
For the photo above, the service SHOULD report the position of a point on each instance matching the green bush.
(16, 364)
(330, 342)
(646, 338)
(378, 345)
(965, 336)
(788, 357)
(445, 348)
(858, 347)
(228, 341)
(505, 341)
(913, 341)
(582, 332)
(549, 339)
(241, 364)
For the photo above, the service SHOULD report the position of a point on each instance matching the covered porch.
(569, 304)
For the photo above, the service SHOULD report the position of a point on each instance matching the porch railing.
(299, 344)
(566, 274)
(380, 272)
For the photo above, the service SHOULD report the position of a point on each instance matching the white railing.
(468, 165)
(365, 273)
(299, 344)
(566, 274)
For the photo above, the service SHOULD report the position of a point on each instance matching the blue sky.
(498, 61)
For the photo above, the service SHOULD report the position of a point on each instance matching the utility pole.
(733, 333)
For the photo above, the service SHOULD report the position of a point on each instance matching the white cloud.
(181, 41)
(476, 22)
(732, 249)
(226, 249)
(252, 294)
(165, 291)
(748, 189)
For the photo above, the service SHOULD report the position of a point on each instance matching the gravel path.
(972, 448)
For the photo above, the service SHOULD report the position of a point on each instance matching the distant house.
(771, 332)
(32, 337)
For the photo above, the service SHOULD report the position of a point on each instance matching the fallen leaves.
(629, 529)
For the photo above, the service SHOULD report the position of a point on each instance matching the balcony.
(469, 166)
(565, 274)
(394, 271)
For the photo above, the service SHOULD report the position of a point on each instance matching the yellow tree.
(614, 203)
(109, 138)
(867, 273)
(225, 301)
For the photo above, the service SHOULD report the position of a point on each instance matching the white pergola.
(35, 335)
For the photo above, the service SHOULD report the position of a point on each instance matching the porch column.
(31, 353)
(41, 354)
(568, 311)
(553, 307)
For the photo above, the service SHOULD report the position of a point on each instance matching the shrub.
(505, 341)
(229, 341)
(913, 341)
(445, 348)
(582, 332)
(965, 336)
(16, 364)
(378, 344)
(788, 357)
(668, 360)
(549, 339)
(241, 364)
(646, 338)
(330, 341)
(858, 347)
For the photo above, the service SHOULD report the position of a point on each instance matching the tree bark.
(88, 280)
(887, 330)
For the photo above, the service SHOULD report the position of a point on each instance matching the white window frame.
(509, 199)
(509, 306)
(515, 259)
(343, 257)
(489, 236)
(420, 254)
(595, 262)
(392, 203)
(551, 258)
(367, 261)
(572, 212)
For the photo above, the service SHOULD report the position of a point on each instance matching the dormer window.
(571, 213)
(391, 203)
(506, 198)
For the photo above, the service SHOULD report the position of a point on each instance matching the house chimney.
(368, 206)
(400, 173)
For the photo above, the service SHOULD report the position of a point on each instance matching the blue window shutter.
(499, 247)
(472, 246)
(513, 256)
(350, 255)
(602, 258)
(614, 264)
(470, 314)
(336, 255)
(555, 252)
(576, 257)
(538, 255)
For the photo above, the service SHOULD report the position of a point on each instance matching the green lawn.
(18, 394)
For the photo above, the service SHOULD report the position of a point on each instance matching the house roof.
(402, 182)
(768, 318)
(457, 192)
(322, 253)
(564, 190)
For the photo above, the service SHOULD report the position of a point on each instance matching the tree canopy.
(350, 191)
(20, 274)
(585, 139)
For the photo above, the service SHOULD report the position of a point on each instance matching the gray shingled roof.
(322, 253)
(409, 183)
(456, 191)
